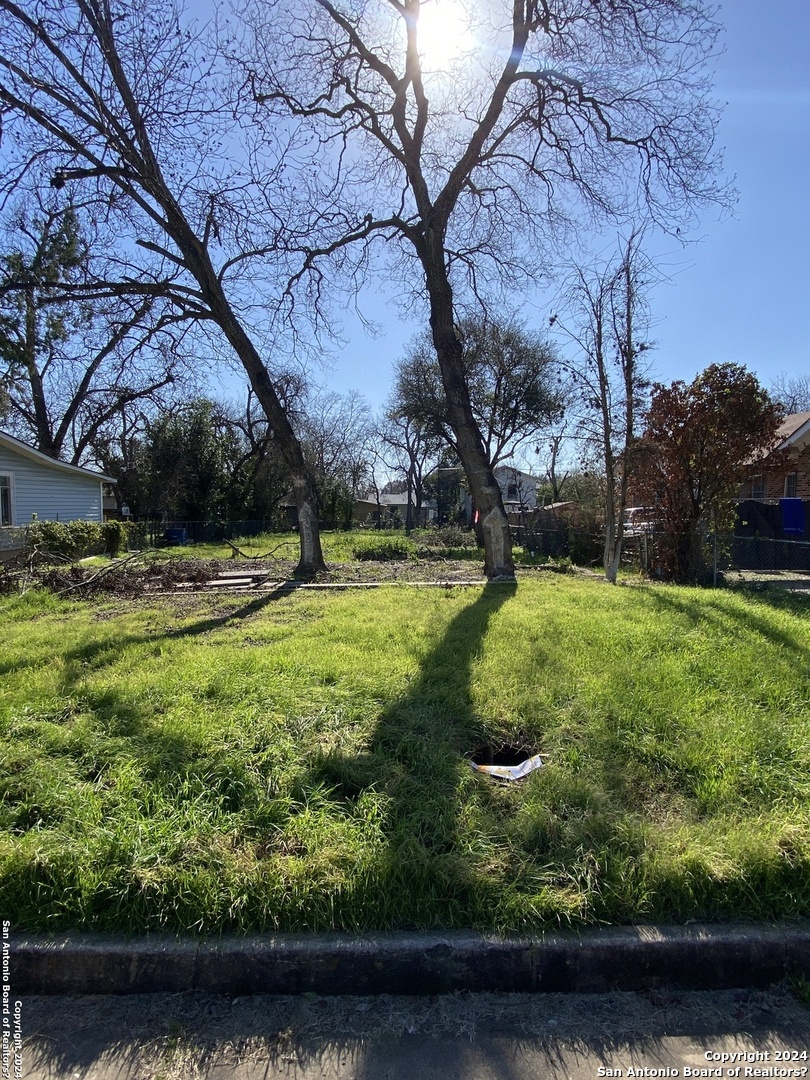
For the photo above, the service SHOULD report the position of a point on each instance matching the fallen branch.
(255, 558)
(102, 573)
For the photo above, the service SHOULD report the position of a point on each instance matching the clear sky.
(741, 293)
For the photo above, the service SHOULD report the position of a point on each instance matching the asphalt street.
(764, 1035)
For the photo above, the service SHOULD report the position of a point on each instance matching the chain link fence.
(199, 532)
(726, 552)
(642, 548)
(765, 553)
(581, 546)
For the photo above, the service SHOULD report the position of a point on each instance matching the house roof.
(513, 473)
(794, 431)
(559, 506)
(10, 443)
(399, 499)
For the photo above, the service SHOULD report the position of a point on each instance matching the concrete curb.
(594, 961)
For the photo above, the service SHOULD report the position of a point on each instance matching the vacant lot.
(297, 761)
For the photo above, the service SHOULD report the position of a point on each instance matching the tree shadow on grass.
(415, 759)
(93, 652)
(708, 607)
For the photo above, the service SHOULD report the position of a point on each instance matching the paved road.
(454, 1037)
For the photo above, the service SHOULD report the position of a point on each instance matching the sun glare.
(444, 33)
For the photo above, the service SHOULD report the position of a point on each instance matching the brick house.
(784, 473)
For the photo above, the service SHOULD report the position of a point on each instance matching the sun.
(444, 33)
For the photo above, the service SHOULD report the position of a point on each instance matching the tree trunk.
(409, 504)
(486, 494)
(614, 529)
(45, 440)
(306, 499)
(612, 554)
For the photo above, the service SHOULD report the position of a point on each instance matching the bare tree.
(610, 321)
(792, 392)
(413, 452)
(120, 98)
(69, 367)
(470, 169)
(556, 473)
(337, 432)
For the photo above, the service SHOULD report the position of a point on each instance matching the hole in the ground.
(500, 754)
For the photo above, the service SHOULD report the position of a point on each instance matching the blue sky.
(741, 293)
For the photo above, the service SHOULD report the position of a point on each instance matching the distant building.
(392, 508)
(518, 489)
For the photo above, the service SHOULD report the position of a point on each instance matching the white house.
(518, 492)
(518, 489)
(34, 486)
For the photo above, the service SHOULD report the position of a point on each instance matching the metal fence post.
(714, 574)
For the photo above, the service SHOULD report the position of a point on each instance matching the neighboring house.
(394, 506)
(775, 491)
(784, 473)
(518, 489)
(34, 486)
(518, 492)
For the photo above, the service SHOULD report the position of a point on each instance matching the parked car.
(638, 520)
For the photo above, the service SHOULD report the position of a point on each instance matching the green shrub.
(75, 539)
(118, 535)
(7, 582)
(445, 536)
(66, 539)
(391, 549)
(138, 535)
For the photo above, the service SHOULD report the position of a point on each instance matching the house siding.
(765, 480)
(773, 479)
(49, 493)
(524, 487)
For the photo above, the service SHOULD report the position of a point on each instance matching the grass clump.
(297, 762)
(384, 549)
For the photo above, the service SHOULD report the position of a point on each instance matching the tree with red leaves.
(697, 438)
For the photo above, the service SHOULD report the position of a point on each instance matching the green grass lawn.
(291, 762)
(338, 545)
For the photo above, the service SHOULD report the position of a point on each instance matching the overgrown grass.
(297, 762)
(341, 546)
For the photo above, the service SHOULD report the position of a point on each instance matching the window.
(790, 485)
(511, 491)
(5, 500)
(758, 488)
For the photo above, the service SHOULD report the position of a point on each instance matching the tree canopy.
(474, 169)
(697, 438)
(200, 460)
(70, 365)
(513, 377)
(792, 391)
(129, 106)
